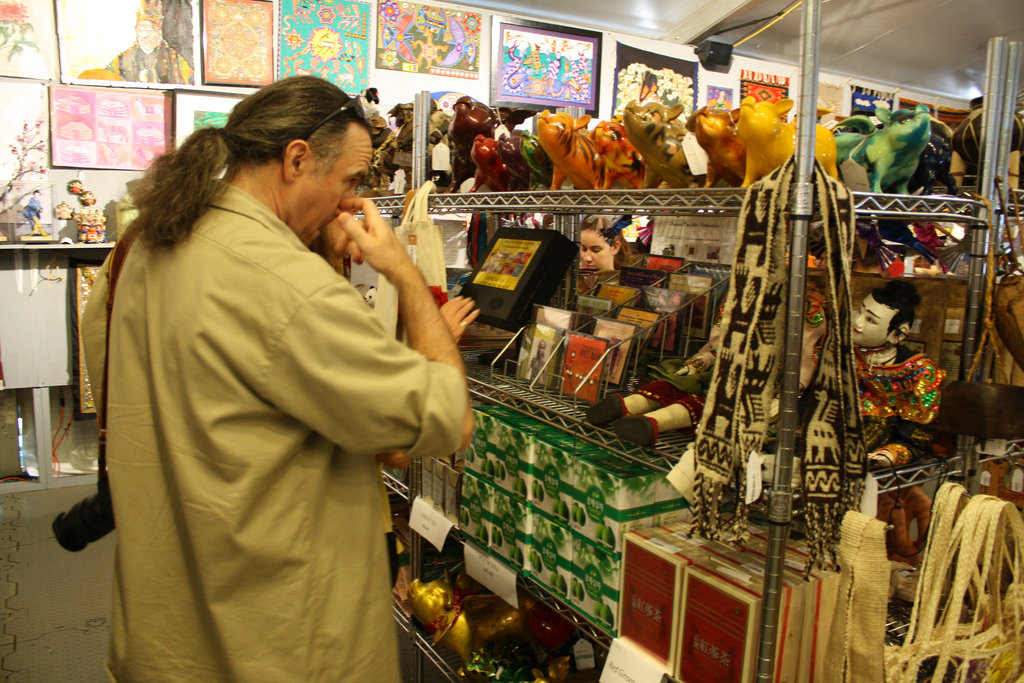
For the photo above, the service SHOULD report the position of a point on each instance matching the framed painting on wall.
(238, 42)
(540, 66)
(326, 38)
(107, 128)
(136, 41)
(29, 40)
(643, 76)
(194, 110)
(424, 39)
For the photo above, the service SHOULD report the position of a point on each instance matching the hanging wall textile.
(869, 99)
(747, 368)
(238, 42)
(642, 76)
(107, 128)
(327, 39)
(763, 87)
(425, 39)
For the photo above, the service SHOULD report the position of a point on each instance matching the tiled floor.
(56, 605)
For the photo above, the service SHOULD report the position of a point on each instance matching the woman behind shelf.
(603, 249)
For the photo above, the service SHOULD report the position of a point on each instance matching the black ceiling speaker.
(714, 56)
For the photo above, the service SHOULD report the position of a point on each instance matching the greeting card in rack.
(615, 331)
(581, 371)
(540, 343)
(107, 128)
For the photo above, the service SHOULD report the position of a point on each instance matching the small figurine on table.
(32, 213)
(898, 388)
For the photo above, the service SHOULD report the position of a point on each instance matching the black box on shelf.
(522, 267)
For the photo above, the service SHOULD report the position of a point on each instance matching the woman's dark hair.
(181, 184)
(902, 297)
(610, 229)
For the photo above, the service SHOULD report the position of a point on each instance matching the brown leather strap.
(116, 262)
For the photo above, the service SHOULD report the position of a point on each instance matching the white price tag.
(627, 663)
(441, 158)
(696, 157)
(753, 477)
(994, 447)
(683, 474)
(855, 176)
(735, 574)
(662, 545)
(1017, 480)
(869, 501)
(429, 522)
(583, 653)
(492, 573)
(500, 130)
(985, 479)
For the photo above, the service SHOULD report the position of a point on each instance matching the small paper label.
(441, 158)
(753, 477)
(583, 653)
(855, 176)
(627, 663)
(502, 129)
(429, 522)
(492, 573)
(735, 574)
(1017, 481)
(681, 476)
(952, 326)
(869, 501)
(696, 157)
(994, 447)
(985, 479)
(662, 545)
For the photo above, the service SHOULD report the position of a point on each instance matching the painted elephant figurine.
(891, 153)
(466, 618)
(657, 133)
(469, 119)
(716, 133)
(622, 161)
(770, 140)
(490, 169)
(571, 150)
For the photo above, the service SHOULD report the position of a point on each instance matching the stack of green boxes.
(556, 508)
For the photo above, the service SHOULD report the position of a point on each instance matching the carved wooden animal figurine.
(890, 154)
(510, 149)
(716, 133)
(490, 169)
(622, 161)
(469, 119)
(771, 141)
(658, 134)
(465, 619)
(571, 150)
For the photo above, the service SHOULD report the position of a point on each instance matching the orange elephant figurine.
(770, 140)
(716, 133)
(571, 150)
(622, 162)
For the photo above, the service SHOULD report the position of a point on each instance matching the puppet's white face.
(871, 325)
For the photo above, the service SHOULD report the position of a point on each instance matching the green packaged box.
(552, 459)
(511, 529)
(550, 554)
(612, 495)
(596, 576)
(499, 442)
(475, 510)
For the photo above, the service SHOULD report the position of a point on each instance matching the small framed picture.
(194, 110)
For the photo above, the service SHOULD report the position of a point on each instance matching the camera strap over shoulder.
(113, 273)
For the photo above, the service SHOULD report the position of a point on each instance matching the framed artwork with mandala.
(238, 42)
(329, 38)
(28, 41)
(540, 66)
(424, 39)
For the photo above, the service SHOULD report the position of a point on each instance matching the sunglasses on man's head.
(353, 105)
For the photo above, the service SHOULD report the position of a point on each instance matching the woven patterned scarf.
(746, 373)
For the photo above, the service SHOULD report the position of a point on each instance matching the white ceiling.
(929, 46)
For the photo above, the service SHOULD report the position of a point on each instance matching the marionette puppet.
(897, 387)
(676, 400)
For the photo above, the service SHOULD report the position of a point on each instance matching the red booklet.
(582, 354)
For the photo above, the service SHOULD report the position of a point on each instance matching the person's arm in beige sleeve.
(373, 241)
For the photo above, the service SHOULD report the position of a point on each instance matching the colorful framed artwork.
(719, 97)
(194, 110)
(238, 42)
(107, 128)
(327, 39)
(424, 39)
(540, 66)
(763, 87)
(643, 76)
(141, 42)
(23, 125)
(28, 41)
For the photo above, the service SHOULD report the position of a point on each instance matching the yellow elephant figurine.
(770, 140)
(466, 618)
